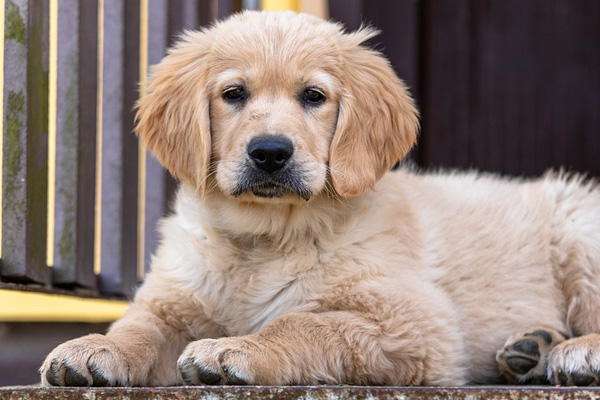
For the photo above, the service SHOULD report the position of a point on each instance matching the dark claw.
(208, 376)
(52, 373)
(74, 378)
(188, 373)
(535, 380)
(582, 379)
(193, 374)
(98, 379)
(233, 379)
(563, 378)
(521, 365)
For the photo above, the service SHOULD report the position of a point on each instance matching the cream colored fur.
(397, 278)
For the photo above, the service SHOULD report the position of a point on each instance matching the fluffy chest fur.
(246, 265)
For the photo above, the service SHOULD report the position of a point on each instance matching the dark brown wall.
(503, 85)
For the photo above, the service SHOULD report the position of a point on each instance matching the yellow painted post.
(319, 8)
(141, 228)
(271, 5)
(99, 143)
(52, 102)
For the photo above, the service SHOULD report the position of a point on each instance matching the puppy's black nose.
(270, 153)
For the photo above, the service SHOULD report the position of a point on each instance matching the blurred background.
(508, 86)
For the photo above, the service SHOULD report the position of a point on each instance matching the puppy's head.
(274, 107)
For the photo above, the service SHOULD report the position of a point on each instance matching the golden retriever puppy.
(294, 257)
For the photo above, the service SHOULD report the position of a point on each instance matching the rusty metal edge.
(302, 392)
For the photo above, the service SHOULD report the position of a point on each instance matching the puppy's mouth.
(271, 186)
(269, 190)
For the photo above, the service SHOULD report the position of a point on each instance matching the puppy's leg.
(576, 254)
(139, 349)
(524, 357)
(575, 250)
(576, 362)
(319, 348)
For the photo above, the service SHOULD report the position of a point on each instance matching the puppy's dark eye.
(235, 94)
(312, 97)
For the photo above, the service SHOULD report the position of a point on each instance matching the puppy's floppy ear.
(173, 116)
(377, 123)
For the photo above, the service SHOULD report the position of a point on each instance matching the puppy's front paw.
(224, 361)
(92, 360)
(576, 362)
(523, 358)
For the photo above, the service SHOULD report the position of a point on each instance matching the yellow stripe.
(99, 143)
(141, 149)
(271, 5)
(2, 5)
(38, 307)
(52, 93)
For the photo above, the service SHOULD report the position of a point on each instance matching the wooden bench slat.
(25, 172)
(76, 143)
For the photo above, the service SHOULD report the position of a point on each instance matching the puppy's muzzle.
(270, 170)
(270, 153)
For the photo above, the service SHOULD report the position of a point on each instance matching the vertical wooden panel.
(118, 274)
(2, 26)
(37, 137)
(131, 60)
(182, 15)
(25, 141)
(14, 230)
(86, 187)
(114, 277)
(155, 174)
(75, 143)
(67, 141)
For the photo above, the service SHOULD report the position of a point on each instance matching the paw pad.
(523, 358)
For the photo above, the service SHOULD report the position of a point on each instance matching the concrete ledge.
(302, 392)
